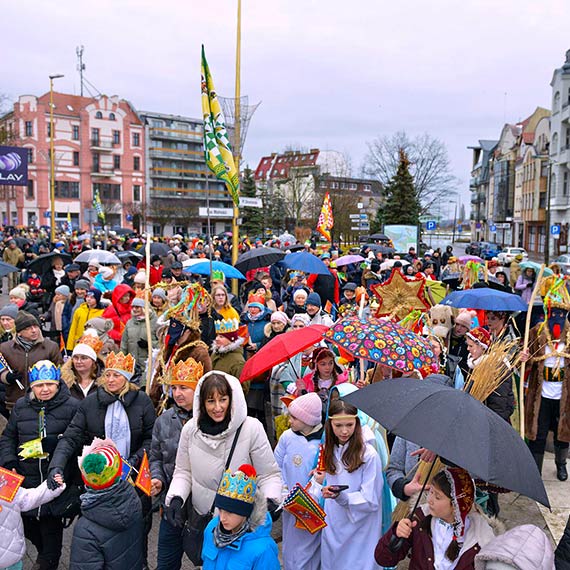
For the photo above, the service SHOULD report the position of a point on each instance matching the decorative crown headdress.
(186, 311)
(226, 326)
(217, 275)
(236, 492)
(186, 373)
(93, 341)
(120, 361)
(256, 298)
(44, 371)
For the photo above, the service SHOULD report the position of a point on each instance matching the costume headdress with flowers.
(462, 498)
(122, 363)
(186, 311)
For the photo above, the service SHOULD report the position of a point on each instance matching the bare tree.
(429, 165)
(298, 190)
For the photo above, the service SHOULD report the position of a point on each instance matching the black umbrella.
(22, 241)
(380, 237)
(258, 257)
(383, 249)
(295, 247)
(7, 268)
(43, 263)
(457, 427)
(158, 248)
(133, 256)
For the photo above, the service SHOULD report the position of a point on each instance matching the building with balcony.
(479, 186)
(179, 183)
(98, 145)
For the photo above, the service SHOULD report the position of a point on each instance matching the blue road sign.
(431, 225)
(493, 229)
(459, 229)
(555, 230)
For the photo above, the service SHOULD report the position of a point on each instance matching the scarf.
(208, 426)
(222, 538)
(25, 344)
(117, 428)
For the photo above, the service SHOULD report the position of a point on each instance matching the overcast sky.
(330, 74)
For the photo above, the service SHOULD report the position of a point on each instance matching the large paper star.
(399, 295)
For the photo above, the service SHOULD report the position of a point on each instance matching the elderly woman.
(298, 303)
(81, 371)
(41, 416)
(220, 420)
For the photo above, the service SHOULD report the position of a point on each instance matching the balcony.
(565, 116)
(174, 134)
(104, 145)
(103, 171)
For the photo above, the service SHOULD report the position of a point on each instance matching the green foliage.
(402, 205)
(252, 217)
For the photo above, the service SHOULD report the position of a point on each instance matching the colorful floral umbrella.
(384, 342)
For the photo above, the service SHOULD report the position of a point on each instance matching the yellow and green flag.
(217, 148)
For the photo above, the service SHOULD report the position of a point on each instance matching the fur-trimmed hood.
(235, 345)
(259, 513)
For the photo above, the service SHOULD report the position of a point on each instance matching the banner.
(98, 206)
(217, 148)
(326, 220)
(13, 166)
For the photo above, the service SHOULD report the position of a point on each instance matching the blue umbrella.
(306, 262)
(203, 268)
(7, 268)
(486, 299)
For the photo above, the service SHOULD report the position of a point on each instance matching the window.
(49, 129)
(136, 193)
(95, 136)
(367, 187)
(30, 190)
(75, 158)
(117, 161)
(556, 104)
(565, 184)
(30, 156)
(98, 115)
(96, 162)
(323, 184)
(75, 132)
(334, 185)
(567, 138)
(65, 189)
(136, 139)
(116, 137)
(108, 191)
(29, 129)
(112, 117)
(136, 163)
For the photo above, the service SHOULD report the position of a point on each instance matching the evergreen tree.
(402, 204)
(252, 217)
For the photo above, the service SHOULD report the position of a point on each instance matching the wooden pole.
(147, 298)
(525, 346)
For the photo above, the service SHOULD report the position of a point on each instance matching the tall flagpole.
(237, 150)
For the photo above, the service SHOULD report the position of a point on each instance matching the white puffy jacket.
(12, 541)
(201, 458)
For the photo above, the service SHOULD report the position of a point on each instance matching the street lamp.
(454, 220)
(51, 156)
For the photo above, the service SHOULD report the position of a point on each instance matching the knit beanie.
(314, 299)
(465, 318)
(159, 293)
(101, 468)
(18, 292)
(24, 320)
(9, 310)
(82, 284)
(106, 273)
(280, 317)
(62, 290)
(236, 493)
(85, 350)
(140, 277)
(307, 408)
(95, 293)
(300, 293)
(303, 317)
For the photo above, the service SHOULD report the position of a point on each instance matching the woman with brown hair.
(82, 370)
(352, 479)
(222, 303)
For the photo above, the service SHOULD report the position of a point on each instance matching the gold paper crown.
(120, 361)
(93, 341)
(187, 373)
(186, 311)
(226, 326)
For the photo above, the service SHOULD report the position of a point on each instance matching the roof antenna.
(80, 66)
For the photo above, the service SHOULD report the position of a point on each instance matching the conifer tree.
(252, 217)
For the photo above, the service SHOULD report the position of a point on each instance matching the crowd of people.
(105, 380)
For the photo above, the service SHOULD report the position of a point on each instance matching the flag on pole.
(143, 481)
(98, 206)
(326, 220)
(217, 148)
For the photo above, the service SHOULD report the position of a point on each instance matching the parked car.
(474, 248)
(564, 262)
(509, 254)
(490, 250)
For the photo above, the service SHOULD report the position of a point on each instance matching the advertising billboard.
(13, 166)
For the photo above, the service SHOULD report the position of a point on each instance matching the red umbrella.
(280, 349)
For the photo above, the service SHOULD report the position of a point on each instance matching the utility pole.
(235, 227)
(80, 66)
(52, 156)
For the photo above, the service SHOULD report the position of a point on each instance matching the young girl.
(296, 455)
(446, 533)
(354, 514)
(326, 374)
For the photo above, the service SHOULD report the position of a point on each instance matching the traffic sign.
(459, 228)
(431, 225)
(250, 202)
(355, 216)
(493, 229)
(555, 230)
(356, 228)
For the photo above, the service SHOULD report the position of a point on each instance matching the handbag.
(193, 532)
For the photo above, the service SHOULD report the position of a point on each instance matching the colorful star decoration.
(399, 295)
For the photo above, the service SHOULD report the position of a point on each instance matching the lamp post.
(51, 156)
(454, 220)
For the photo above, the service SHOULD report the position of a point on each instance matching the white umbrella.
(103, 256)
(389, 263)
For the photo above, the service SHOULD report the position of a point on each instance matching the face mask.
(175, 330)
(556, 322)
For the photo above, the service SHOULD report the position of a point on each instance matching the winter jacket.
(229, 359)
(420, 548)
(81, 315)
(68, 376)
(524, 547)
(12, 540)
(322, 318)
(524, 287)
(255, 550)
(21, 360)
(563, 550)
(255, 328)
(13, 256)
(89, 422)
(309, 381)
(119, 313)
(165, 438)
(400, 466)
(23, 426)
(104, 285)
(109, 535)
(326, 286)
(135, 330)
(201, 457)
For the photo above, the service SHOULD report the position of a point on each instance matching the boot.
(539, 458)
(560, 456)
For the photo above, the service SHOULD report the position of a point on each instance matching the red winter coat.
(119, 313)
(155, 275)
(419, 546)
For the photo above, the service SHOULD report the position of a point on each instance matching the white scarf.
(118, 429)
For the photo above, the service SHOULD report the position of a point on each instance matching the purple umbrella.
(466, 258)
(348, 259)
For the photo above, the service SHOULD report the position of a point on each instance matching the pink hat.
(280, 317)
(307, 408)
(465, 318)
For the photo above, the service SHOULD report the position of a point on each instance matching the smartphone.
(338, 488)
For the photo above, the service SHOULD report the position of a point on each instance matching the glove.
(529, 285)
(51, 482)
(273, 509)
(11, 465)
(13, 377)
(142, 343)
(174, 513)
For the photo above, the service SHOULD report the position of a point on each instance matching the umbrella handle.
(396, 542)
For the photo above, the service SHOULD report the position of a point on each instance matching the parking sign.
(431, 225)
(555, 229)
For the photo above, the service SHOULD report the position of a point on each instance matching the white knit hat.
(307, 408)
(18, 292)
(85, 350)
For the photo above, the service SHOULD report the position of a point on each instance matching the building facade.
(179, 185)
(98, 146)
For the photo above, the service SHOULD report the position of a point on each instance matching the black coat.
(109, 535)
(23, 426)
(89, 422)
(562, 553)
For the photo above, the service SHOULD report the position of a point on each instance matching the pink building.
(98, 145)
